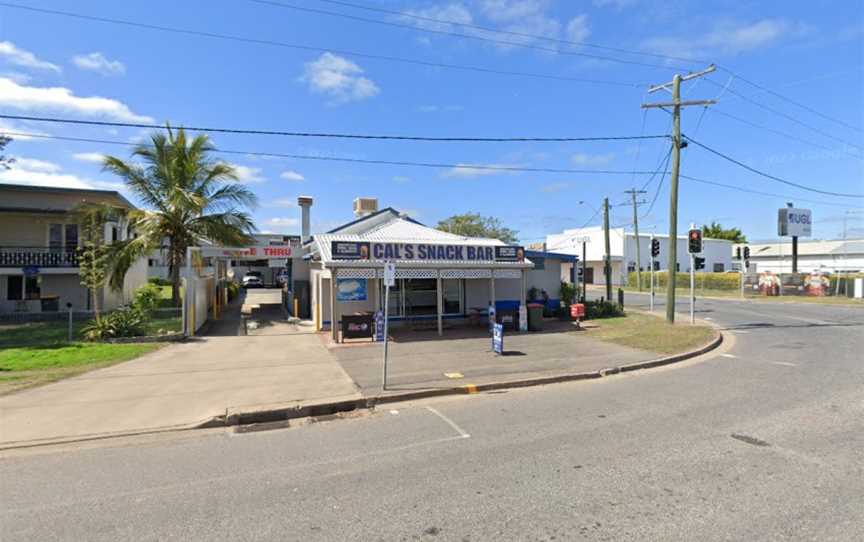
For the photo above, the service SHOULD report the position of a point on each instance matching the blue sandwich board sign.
(498, 338)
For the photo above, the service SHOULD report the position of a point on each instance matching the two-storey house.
(39, 238)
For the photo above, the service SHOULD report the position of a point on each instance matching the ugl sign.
(794, 222)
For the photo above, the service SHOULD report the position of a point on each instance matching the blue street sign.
(379, 326)
(498, 338)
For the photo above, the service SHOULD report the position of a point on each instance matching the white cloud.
(246, 174)
(451, 12)
(582, 159)
(282, 223)
(10, 128)
(577, 28)
(33, 164)
(726, 38)
(467, 171)
(35, 172)
(62, 99)
(281, 202)
(338, 78)
(94, 157)
(291, 176)
(25, 59)
(97, 62)
(522, 16)
(18, 77)
(555, 187)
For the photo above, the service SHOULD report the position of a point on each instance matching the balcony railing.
(38, 257)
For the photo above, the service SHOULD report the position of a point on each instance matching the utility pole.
(677, 144)
(607, 259)
(633, 192)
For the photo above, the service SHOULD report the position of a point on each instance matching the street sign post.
(389, 280)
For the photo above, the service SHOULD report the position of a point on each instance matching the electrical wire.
(790, 100)
(768, 175)
(438, 165)
(273, 43)
(760, 193)
(665, 166)
(784, 115)
(415, 16)
(463, 36)
(116, 124)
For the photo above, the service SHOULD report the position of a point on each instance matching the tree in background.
(5, 160)
(97, 257)
(190, 198)
(474, 225)
(716, 231)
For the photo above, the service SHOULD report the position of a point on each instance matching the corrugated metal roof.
(403, 230)
(806, 248)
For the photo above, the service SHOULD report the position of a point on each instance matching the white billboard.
(794, 222)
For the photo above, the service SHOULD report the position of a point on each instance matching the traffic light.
(695, 241)
(655, 248)
(737, 253)
(698, 263)
(746, 253)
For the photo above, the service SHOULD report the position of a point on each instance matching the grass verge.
(736, 294)
(38, 352)
(650, 333)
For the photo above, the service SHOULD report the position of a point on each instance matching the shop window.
(452, 295)
(14, 287)
(719, 268)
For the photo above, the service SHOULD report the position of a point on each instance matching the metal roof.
(63, 190)
(850, 247)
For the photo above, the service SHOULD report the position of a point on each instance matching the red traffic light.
(695, 241)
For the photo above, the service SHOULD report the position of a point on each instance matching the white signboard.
(389, 274)
(259, 252)
(277, 262)
(794, 222)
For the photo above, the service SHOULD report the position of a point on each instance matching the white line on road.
(728, 355)
(784, 363)
(451, 423)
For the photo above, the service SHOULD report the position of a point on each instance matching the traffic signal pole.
(677, 144)
(651, 300)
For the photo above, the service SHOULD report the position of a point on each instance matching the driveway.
(181, 385)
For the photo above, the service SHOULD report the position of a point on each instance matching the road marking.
(708, 318)
(728, 355)
(394, 412)
(454, 375)
(738, 331)
(784, 363)
(451, 423)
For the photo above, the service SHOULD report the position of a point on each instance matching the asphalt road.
(763, 440)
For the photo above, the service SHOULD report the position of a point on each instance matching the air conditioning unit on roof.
(365, 206)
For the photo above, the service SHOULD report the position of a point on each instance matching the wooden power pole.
(607, 259)
(677, 144)
(633, 192)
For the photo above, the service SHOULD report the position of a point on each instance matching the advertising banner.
(498, 338)
(358, 250)
(351, 289)
(794, 222)
(349, 250)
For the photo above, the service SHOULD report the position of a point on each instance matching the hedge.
(708, 281)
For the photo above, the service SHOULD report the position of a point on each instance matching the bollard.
(621, 298)
(69, 308)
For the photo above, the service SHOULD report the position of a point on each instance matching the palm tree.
(189, 196)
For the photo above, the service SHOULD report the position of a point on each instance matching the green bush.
(233, 290)
(124, 322)
(708, 281)
(159, 281)
(567, 293)
(147, 298)
(602, 309)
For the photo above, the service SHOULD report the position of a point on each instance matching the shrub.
(233, 290)
(567, 293)
(124, 322)
(147, 298)
(159, 281)
(708, 281)
(602, 309)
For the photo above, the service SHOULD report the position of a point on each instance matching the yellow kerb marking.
(470, 388)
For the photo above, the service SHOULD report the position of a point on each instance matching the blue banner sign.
(498, 338)
(379, 326)
(353, 250)
(351, 289)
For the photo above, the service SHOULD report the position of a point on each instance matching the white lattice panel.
(355, 273)
(466, 273)
(508, 274)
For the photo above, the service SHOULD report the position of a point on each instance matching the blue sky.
(811, 52)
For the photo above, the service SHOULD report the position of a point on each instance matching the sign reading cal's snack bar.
(349, 250)
(353, 250)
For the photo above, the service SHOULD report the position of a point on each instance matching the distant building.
(827, 256)
(622, 249)
(39, 240)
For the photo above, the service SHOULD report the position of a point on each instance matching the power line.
(760, 193)
(784, 115)
(791, 101)
(508, 32)
(768, 175)
(458, 35)
(325, 134)
(300, 47)
(437, 165)
(784, 134)
(659, 185)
